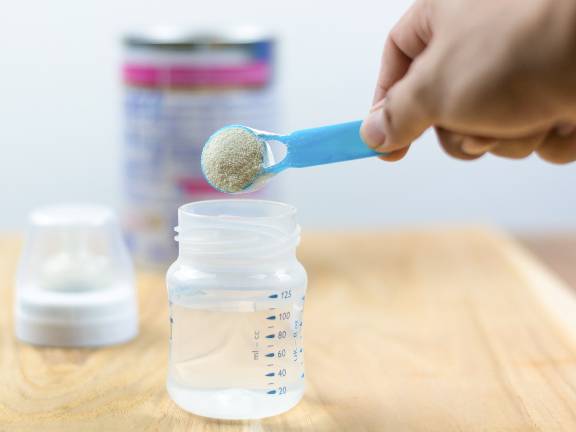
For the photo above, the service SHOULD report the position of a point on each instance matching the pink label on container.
(192, 186)
(250, 74)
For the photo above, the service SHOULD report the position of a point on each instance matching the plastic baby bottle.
(236, 297)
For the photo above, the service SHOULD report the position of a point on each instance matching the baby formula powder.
(180, 87)
(232, 159)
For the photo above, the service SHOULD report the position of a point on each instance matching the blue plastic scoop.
(304, 148)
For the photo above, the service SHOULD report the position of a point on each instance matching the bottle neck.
(264, 262)
(237, 234)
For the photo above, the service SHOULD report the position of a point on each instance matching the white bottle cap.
(75, 282)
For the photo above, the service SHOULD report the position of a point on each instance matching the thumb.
(404, 113)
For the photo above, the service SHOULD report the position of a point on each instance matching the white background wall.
(60, 115)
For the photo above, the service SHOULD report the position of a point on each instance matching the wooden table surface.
(557, 251)
(459, 330)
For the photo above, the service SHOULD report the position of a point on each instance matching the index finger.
(409, 37)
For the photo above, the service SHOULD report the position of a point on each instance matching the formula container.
(236, 296)
(179, 88)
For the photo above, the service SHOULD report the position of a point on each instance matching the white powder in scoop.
(232, 159)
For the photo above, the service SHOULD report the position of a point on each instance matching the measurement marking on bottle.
(270, 327)
(271, 383)
(270, 336)
(271, 392)
(270, 374)
(271, 317)
(273, 296)
(270, 355)
(270, 365)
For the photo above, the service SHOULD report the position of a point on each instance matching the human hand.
(494, 76)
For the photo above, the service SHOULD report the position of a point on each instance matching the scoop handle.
(326, 144)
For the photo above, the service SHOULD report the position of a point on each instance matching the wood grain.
(454, 330)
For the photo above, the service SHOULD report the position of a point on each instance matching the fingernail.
(378, 105)
(475, 148)
(373, 129)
